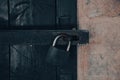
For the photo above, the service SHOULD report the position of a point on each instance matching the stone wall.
(100, 59)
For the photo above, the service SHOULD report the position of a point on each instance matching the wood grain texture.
(100, 59)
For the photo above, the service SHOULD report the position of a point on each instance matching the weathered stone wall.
(100, 59)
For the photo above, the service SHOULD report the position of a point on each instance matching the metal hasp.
(42, 37)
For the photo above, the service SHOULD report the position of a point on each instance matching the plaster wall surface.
(100, 59)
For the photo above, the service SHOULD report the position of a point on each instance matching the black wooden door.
(26, 60)
(38, 14)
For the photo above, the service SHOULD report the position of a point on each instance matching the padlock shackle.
(59, 36)
(69, 44)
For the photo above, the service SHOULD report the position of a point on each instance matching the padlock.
(57, 56)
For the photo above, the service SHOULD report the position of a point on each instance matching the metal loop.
(59, 36)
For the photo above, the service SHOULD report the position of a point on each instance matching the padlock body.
(57, 56)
